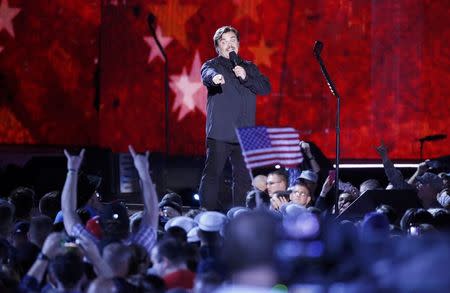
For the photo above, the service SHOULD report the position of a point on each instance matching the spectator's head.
(67, 270)
(22, 198)
(119, 258)
(140, 260)
(87, 190)
(114, 221)
(375, 227)
(415, 217)
(182, 222)
(6, 218)
(20, 233)
(309, 178)
(369, 184)
(26, 255)
(40, 228)
(167, 256)
(445, 179)
(260, 182)
(276, 181)
(345, 199)
(388, 211)
(301, 194)
(176, 233)
(250, 200)
(441, 220)
(171, 205)
(235, 211)
(250, 242)
(50, 204)
(429, 185)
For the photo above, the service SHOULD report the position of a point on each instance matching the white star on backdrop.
(189, 90)
(6, 16)
(154, 50)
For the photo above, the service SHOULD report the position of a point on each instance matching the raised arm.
(52, 247)
(421, 169)
(312, 160)
(69, 193)
(394, 175)
(149, 196)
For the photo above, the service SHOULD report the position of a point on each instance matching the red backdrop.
(88, 72)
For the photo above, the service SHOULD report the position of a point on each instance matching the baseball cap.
(309, 175)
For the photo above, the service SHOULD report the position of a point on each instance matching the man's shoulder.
(214, 60)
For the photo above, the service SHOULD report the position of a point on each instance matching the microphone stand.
(318, 46)
(151, 25)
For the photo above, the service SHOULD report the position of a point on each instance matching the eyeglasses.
(300, 193)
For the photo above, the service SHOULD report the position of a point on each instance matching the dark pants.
(217, 154)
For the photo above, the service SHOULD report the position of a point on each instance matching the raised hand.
(382, 150)
(327, 185)
(74, 161)
(140, 162)
(89, 248)
(53, 245)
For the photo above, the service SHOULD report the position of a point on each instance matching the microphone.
(318, 46)
(151, 20)
(234, 58)
(433, 137)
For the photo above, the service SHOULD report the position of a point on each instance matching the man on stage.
(232, 88)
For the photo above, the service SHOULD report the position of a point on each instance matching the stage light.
(277, 166)
(196, 197)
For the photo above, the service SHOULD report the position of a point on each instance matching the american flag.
(267, 146)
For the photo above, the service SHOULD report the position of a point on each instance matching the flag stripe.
(263, 146)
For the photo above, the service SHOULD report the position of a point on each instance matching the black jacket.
(232, 104)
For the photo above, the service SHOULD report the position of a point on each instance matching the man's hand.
(327, 185)
(382, 150)
(53, 245)
(74, 161)
(140, 162)
(239, 71)
(278, 201)
(89, 248)
(218, 79)
(306, 148)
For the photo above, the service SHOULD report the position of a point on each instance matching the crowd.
(284, 238)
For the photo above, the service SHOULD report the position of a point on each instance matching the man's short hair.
(222, 30)
(50, 204)
(22, 198)
(67, 268)
(280, 173)
(171, 249)
(40, 228)
(251, 240)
